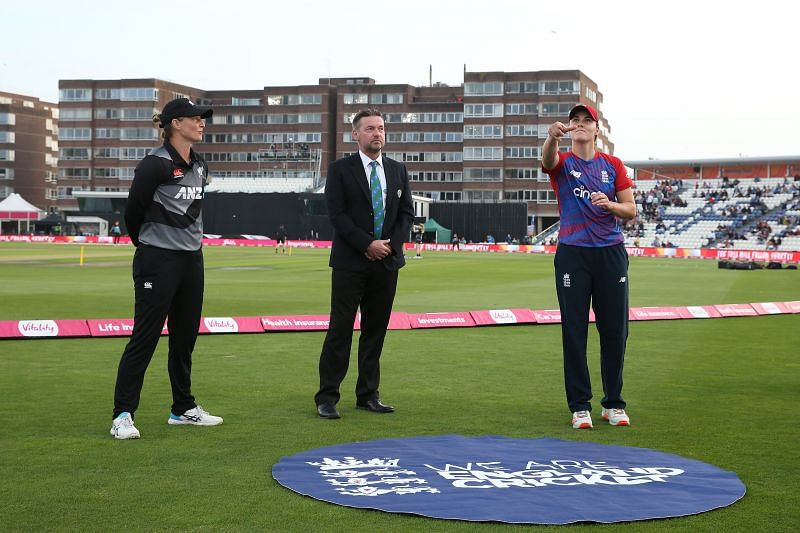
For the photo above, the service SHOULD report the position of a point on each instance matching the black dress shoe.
(328, 410)
(376, 406)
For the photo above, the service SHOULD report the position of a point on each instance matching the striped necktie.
(377, 199)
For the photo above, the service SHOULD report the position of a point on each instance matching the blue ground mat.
(492, 478)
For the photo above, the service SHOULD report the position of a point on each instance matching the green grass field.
(721, 391)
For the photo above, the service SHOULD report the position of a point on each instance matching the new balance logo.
(575, 173)
(623, 279)
(567, 282)
(190, 193)
(148, 284)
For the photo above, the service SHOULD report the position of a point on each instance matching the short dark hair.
(369, 112)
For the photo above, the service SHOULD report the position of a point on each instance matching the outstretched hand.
(559, 129)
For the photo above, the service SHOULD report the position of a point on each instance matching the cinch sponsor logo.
(190, 193)
(38, 328)
(503, 316)
(221, 325)
(582, 192)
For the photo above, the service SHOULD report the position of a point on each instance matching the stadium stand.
(754, 213)
(260, 184)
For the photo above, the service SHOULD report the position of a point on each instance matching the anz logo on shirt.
(189, 193)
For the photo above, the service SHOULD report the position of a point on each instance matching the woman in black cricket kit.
(164, 220)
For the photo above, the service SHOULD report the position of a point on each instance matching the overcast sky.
(680, 79)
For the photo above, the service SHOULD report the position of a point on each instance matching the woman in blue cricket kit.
(591, 264)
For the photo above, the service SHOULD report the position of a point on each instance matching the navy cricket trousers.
(598, 277)
(166, 283)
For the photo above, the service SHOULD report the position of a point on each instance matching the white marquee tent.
(16, 209)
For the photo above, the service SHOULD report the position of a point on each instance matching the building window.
(355, 98)
(483, 174)
(138, 133)
(591, 95)
(75, 113)
(559, 87)
(106, 133)
(8, 119)
(295, 99)
(73, 173)
(138, 113)
(556, 109)
(522, 130)
(123, 173)
(489, 88)
(483, 196)
(484, 131)
(522, 109)
(139, 94)
(75, 95)
(522, 87)
(380, 98)
(483, 110)
(7, 137)
(105, 113)
(106, 94)
(521, 173)
(546, 196)
(245, 101)
(6, 155)
(75, 134)
(483, 153)
(521, 152)
(74, 154)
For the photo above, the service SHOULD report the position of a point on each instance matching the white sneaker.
(122, 427)
(196, 417)
(581, 420)
(616, 417)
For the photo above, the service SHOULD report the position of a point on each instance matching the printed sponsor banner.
(521, 481)
(793, 307)
(115, 327)
(503, 316)
(295, 323)
(653, 313)
(11, 329)
(399, 320)
(440, 320)
(698, 311)
(736, 310)
(770, 308)
(237, 324)
(547, 316)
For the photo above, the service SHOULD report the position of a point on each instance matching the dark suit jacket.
(350, 211)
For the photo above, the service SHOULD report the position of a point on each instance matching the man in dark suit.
(370, 208)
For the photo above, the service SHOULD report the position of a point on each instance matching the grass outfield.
(721, 391)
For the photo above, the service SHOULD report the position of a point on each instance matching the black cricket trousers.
(166, 283)
(598, 276)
